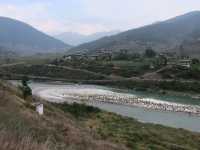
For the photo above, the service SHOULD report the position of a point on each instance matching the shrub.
(79, 110)
(26, 90)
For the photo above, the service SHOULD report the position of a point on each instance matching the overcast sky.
(90, 16)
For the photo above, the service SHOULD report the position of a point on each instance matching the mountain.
(168, 35)
(75, 39)
(72, 38)
(21, 37)
(4, 52)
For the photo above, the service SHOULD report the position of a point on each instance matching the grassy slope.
(52, 72)
(133, 134)
(123, 68)
(81, 127)
(22, 129)
(178, 73)
(155, 85)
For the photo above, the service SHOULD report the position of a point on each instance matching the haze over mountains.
(163, 36)
(4, 52)
(22, 38)
(182, 31)
(75, 39)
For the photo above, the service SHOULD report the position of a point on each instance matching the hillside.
(23, 129)
(4, 52)
(77, 39)
(50, 71)
(162, 36)
(192, 47)
(80, 127)
(6, 55)
(21, 37)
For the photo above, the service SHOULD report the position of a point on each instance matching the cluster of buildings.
(174, 60)
(165, 58)
(99, 55)
(88, 57)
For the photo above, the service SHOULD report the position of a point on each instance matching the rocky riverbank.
(130, 100)
(89, 95)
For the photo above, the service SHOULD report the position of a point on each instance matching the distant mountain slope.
(76, 39)
(21, 37)
(5, 52)
(162, 36)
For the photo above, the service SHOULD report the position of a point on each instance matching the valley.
(113, 100)
(137, 89)
(79, 126)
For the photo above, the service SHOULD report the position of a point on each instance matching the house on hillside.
(75, 57)
(101, 56)
(68, 57)
(184, 63)
(173, 60)
(167, 58)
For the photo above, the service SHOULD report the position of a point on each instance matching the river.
(59, 92)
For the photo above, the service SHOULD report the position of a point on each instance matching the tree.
(55, 62)
(25, 88)
(122, 55)
(149, 52)
(162, 61)
(25, 80)
(195, 61)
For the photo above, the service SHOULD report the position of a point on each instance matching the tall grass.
(8, 141)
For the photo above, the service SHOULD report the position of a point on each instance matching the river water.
(55, 92)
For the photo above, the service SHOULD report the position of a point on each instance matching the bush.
(79, 110)
(150, 53)
(26, 90)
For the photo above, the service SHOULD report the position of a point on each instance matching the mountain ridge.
(76, 39)
(23, 38)
(163, 36)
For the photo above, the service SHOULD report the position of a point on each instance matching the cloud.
(39, 15)
(127, 14)
(35, 14)
(89, 16)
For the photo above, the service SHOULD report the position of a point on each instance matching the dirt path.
(155, 74)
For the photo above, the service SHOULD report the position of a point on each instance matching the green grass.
(136, 62)
(79, 111)
(121, 68)
(52, 72)
(180, 73)
(130, 132)
(78, 126)
(21, 128)
(143, 85)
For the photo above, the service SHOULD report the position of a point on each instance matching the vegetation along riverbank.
(79, 127)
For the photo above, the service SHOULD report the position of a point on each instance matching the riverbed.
(57, 92)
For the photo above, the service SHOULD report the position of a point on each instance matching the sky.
(91, 16)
